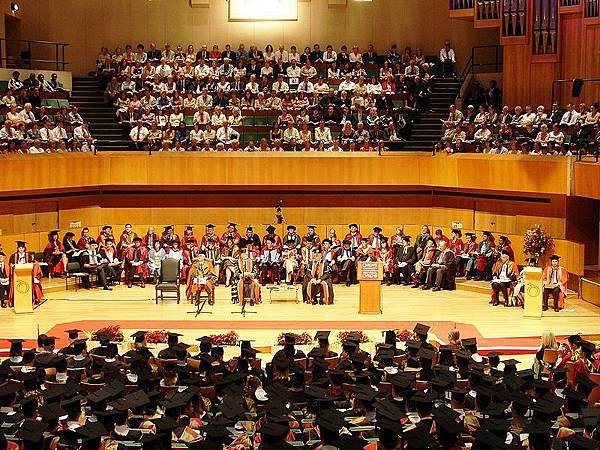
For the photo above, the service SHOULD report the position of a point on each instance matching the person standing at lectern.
(4, 280)
(555, 280)
(22, 256)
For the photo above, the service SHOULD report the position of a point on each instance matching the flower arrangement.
(299, 339)
(230, 338)
(343, 335)
(537, 243)
(113, 330)
(404, 335)
(156, 336)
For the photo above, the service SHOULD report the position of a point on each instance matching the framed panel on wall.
(263, 10)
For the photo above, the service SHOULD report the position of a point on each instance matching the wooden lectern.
(22, 283)
(533, 292)
(370, 275)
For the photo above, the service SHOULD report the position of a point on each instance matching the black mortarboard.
(513, 381)
(366, 393)
(232, 224)
(8, 389)
(352, 225)
(73, 334)
(322, 335)
(469, 342)
(392, 426)
(588, 346)
(291, 227)
(585, 384)
(21, 243)
(387, 409)
(91, 430)
(422, 397)
(421, 329)
(164, 424)
(578, 442)
(377, 229)
(346, 242)
(426, 353)
(52, 411)
(331, 420)
(275, 430)
(270, 229)
(32, 431)
(537, 427)
(415, 345)
(139, 336)
(554, 257)
(418, 438)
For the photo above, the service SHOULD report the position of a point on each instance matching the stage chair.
(169, 279)
(73, 270)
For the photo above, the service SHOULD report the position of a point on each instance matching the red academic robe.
(37, 293)
(235, 235)
(316, 239)
(125, 241)
(148, 238)
(208, 237)
(58, 267)
(82, 242)
(276, 238)
(457, 246)
(354, 239)
(563, 277)
(103, 237)
(142, 269)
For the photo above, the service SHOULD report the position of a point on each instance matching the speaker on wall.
(577, 86)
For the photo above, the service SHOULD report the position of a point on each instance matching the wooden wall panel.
(131, 21)
(516, 75)
(516, 173)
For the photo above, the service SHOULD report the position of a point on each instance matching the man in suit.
(203, 54)
(404, 262)
(92, 263)
(370, 56)
(442, 269)
(153, 54)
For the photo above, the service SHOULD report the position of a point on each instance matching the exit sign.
(75, 224)
(457, 225)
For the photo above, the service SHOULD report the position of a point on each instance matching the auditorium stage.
(496, 328)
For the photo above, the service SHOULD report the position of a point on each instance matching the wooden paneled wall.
(90, 24)
(507, 173)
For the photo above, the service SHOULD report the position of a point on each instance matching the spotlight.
(14, 7)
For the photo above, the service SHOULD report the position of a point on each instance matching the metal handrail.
(472, 63)
(59, 51)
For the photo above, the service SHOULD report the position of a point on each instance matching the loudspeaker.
(577, 86)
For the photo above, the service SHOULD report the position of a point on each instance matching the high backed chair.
(169, 279)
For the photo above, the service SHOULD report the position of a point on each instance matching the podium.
(533, 292)
(369, 275)
(22, 288)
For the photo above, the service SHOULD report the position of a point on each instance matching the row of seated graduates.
(547, 134)
(415, 398)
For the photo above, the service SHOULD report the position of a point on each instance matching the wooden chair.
(169, 279)
(208, 392)
(550, 357)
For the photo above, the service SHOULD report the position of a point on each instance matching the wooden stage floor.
(496, 328)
